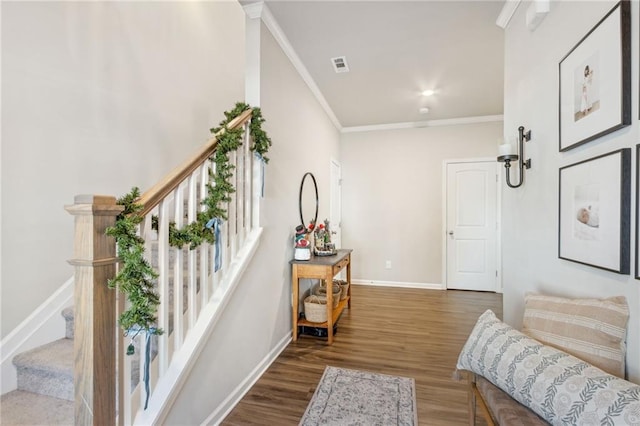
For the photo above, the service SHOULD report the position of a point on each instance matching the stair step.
(153, 256)
(68, 313)
(47, 370)
(27, 408)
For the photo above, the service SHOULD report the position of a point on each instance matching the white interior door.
(335, 204)
(471, 226)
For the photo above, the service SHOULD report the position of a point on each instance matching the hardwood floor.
(405, 332)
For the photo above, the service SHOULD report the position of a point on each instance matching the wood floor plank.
(404, 332)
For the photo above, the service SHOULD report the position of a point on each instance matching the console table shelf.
(335, 315)
(324, 268)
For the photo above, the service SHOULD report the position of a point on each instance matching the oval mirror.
(308, 200)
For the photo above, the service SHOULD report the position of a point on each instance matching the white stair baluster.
(248, 155)
(178, 275)
(204, 248)
(163, 283)
(240, 190)
(192, 289)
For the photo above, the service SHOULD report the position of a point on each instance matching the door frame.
(332, 190)
(499, 180)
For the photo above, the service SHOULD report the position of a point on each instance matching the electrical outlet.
(387, 264)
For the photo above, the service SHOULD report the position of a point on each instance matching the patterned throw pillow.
(593, 330)
(557, 386)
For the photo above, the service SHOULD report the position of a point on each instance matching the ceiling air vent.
(340, 64)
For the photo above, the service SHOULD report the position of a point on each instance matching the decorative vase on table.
(323, 245)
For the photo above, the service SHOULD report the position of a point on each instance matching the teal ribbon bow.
(216, 223)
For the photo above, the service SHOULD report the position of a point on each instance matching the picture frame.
(637, 259)
(595, 81)
(594, 211)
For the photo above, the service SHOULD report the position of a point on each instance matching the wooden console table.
(324, 268)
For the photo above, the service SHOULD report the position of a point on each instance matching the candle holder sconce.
(522, 163)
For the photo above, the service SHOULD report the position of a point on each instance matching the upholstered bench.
(498, 408)
(516, 380)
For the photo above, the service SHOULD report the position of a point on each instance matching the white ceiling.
(395, 49)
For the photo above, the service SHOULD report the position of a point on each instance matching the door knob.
(450, 232)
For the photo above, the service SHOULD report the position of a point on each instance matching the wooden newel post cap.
(99, 205)
(93, 215)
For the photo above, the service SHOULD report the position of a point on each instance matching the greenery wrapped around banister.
(136, 276)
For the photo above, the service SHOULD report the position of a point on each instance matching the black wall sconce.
(507, 157)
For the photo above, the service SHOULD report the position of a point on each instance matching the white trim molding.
(253, 26)
(254, 10)
(508, 9)
(44, 325)
(428, 123)
(401, 284)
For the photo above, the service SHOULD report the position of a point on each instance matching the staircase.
(52, 378)
(45, 374)
(45, 384)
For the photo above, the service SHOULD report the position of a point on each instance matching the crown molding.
(465, 120)
(261, 10)
(508, 9)
(429, 123)
(254, 10)
(285, 45)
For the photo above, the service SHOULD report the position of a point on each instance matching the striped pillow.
(591, 329)
(559, 387)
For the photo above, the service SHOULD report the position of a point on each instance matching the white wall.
(530, 225)
(392, 196)
(259, 313)
(98, 97)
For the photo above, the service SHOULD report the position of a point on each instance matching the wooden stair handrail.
(159, 191)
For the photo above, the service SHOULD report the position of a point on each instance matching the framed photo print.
(595, 81)
(637, 275)
(595, 205)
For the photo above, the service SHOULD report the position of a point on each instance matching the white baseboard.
(239, 392)
(426, 286)
(44, 325)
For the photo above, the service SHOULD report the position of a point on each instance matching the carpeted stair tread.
(56, 357)
(27, 408)
(47, 369)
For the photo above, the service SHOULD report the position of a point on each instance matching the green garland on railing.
(219, 187)
(136, 277)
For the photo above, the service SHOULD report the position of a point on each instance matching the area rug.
(351, 397)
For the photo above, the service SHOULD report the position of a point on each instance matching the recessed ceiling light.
(428, 92)
(424, 110)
